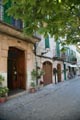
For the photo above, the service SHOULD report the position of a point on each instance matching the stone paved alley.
(53, 102)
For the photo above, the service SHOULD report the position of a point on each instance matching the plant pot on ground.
(32, 87)
(36, 75)
(3, 90)
(33, 82)
(3, 94)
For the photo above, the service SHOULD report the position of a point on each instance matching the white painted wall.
(77, 53)
(41, 47)
(51, 53)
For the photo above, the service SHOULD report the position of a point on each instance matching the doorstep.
(16, 95)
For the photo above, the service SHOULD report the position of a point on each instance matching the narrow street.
(53, 102)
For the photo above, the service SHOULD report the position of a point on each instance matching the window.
(16, 23)
(1, 10)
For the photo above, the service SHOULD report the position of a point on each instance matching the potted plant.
(33, 82)
(3, 91)
(32, 87)
(1, 80)
(36, 75)
(40, 73)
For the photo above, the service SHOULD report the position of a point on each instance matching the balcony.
(73, 60)
(63, 56)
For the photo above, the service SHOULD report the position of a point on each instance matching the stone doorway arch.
(47, 67)
(16, 77)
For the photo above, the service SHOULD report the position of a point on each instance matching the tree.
(59, 18)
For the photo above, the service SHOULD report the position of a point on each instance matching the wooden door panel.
(14, 74)
(21, 70)
(47, 67)
(16, 69)
(12, 77)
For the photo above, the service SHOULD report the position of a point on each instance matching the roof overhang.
(13, 32)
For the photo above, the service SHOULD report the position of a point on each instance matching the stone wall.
(7, 41)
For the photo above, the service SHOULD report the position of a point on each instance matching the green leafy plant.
(37, 73)
(33, 84)
(33, 74)
(1, 79)
(41, 72)
(3, 90)
(64, 17)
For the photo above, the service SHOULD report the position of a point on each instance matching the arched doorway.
(47, 67)
(59, 72)
(16, 69)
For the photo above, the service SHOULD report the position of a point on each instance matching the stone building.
(16, 57)
(54, 62)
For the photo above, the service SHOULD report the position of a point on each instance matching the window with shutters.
(58, 49)
(16, 23)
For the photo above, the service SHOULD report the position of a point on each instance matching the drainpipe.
(36, 64)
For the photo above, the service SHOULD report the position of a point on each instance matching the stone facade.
(46, 55)
(10, 37)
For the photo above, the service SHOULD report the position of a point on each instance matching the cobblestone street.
(54, 102)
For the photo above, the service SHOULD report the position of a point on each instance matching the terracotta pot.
(32, 90)
(3, 99)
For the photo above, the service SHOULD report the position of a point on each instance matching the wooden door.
(16, 69)
(12, 69)
(14, 74)
(10, 74)
(47, 67)
(59, 72)
(21, 70)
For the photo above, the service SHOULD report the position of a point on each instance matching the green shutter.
(64, 71)
(47, 45)
(67, 54)
(6, 18)
(71, 55)
(58, 48)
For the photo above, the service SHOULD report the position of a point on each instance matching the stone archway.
(47, 67)
(16, 69)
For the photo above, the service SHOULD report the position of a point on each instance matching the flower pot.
(3, 99)
(32, 90)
